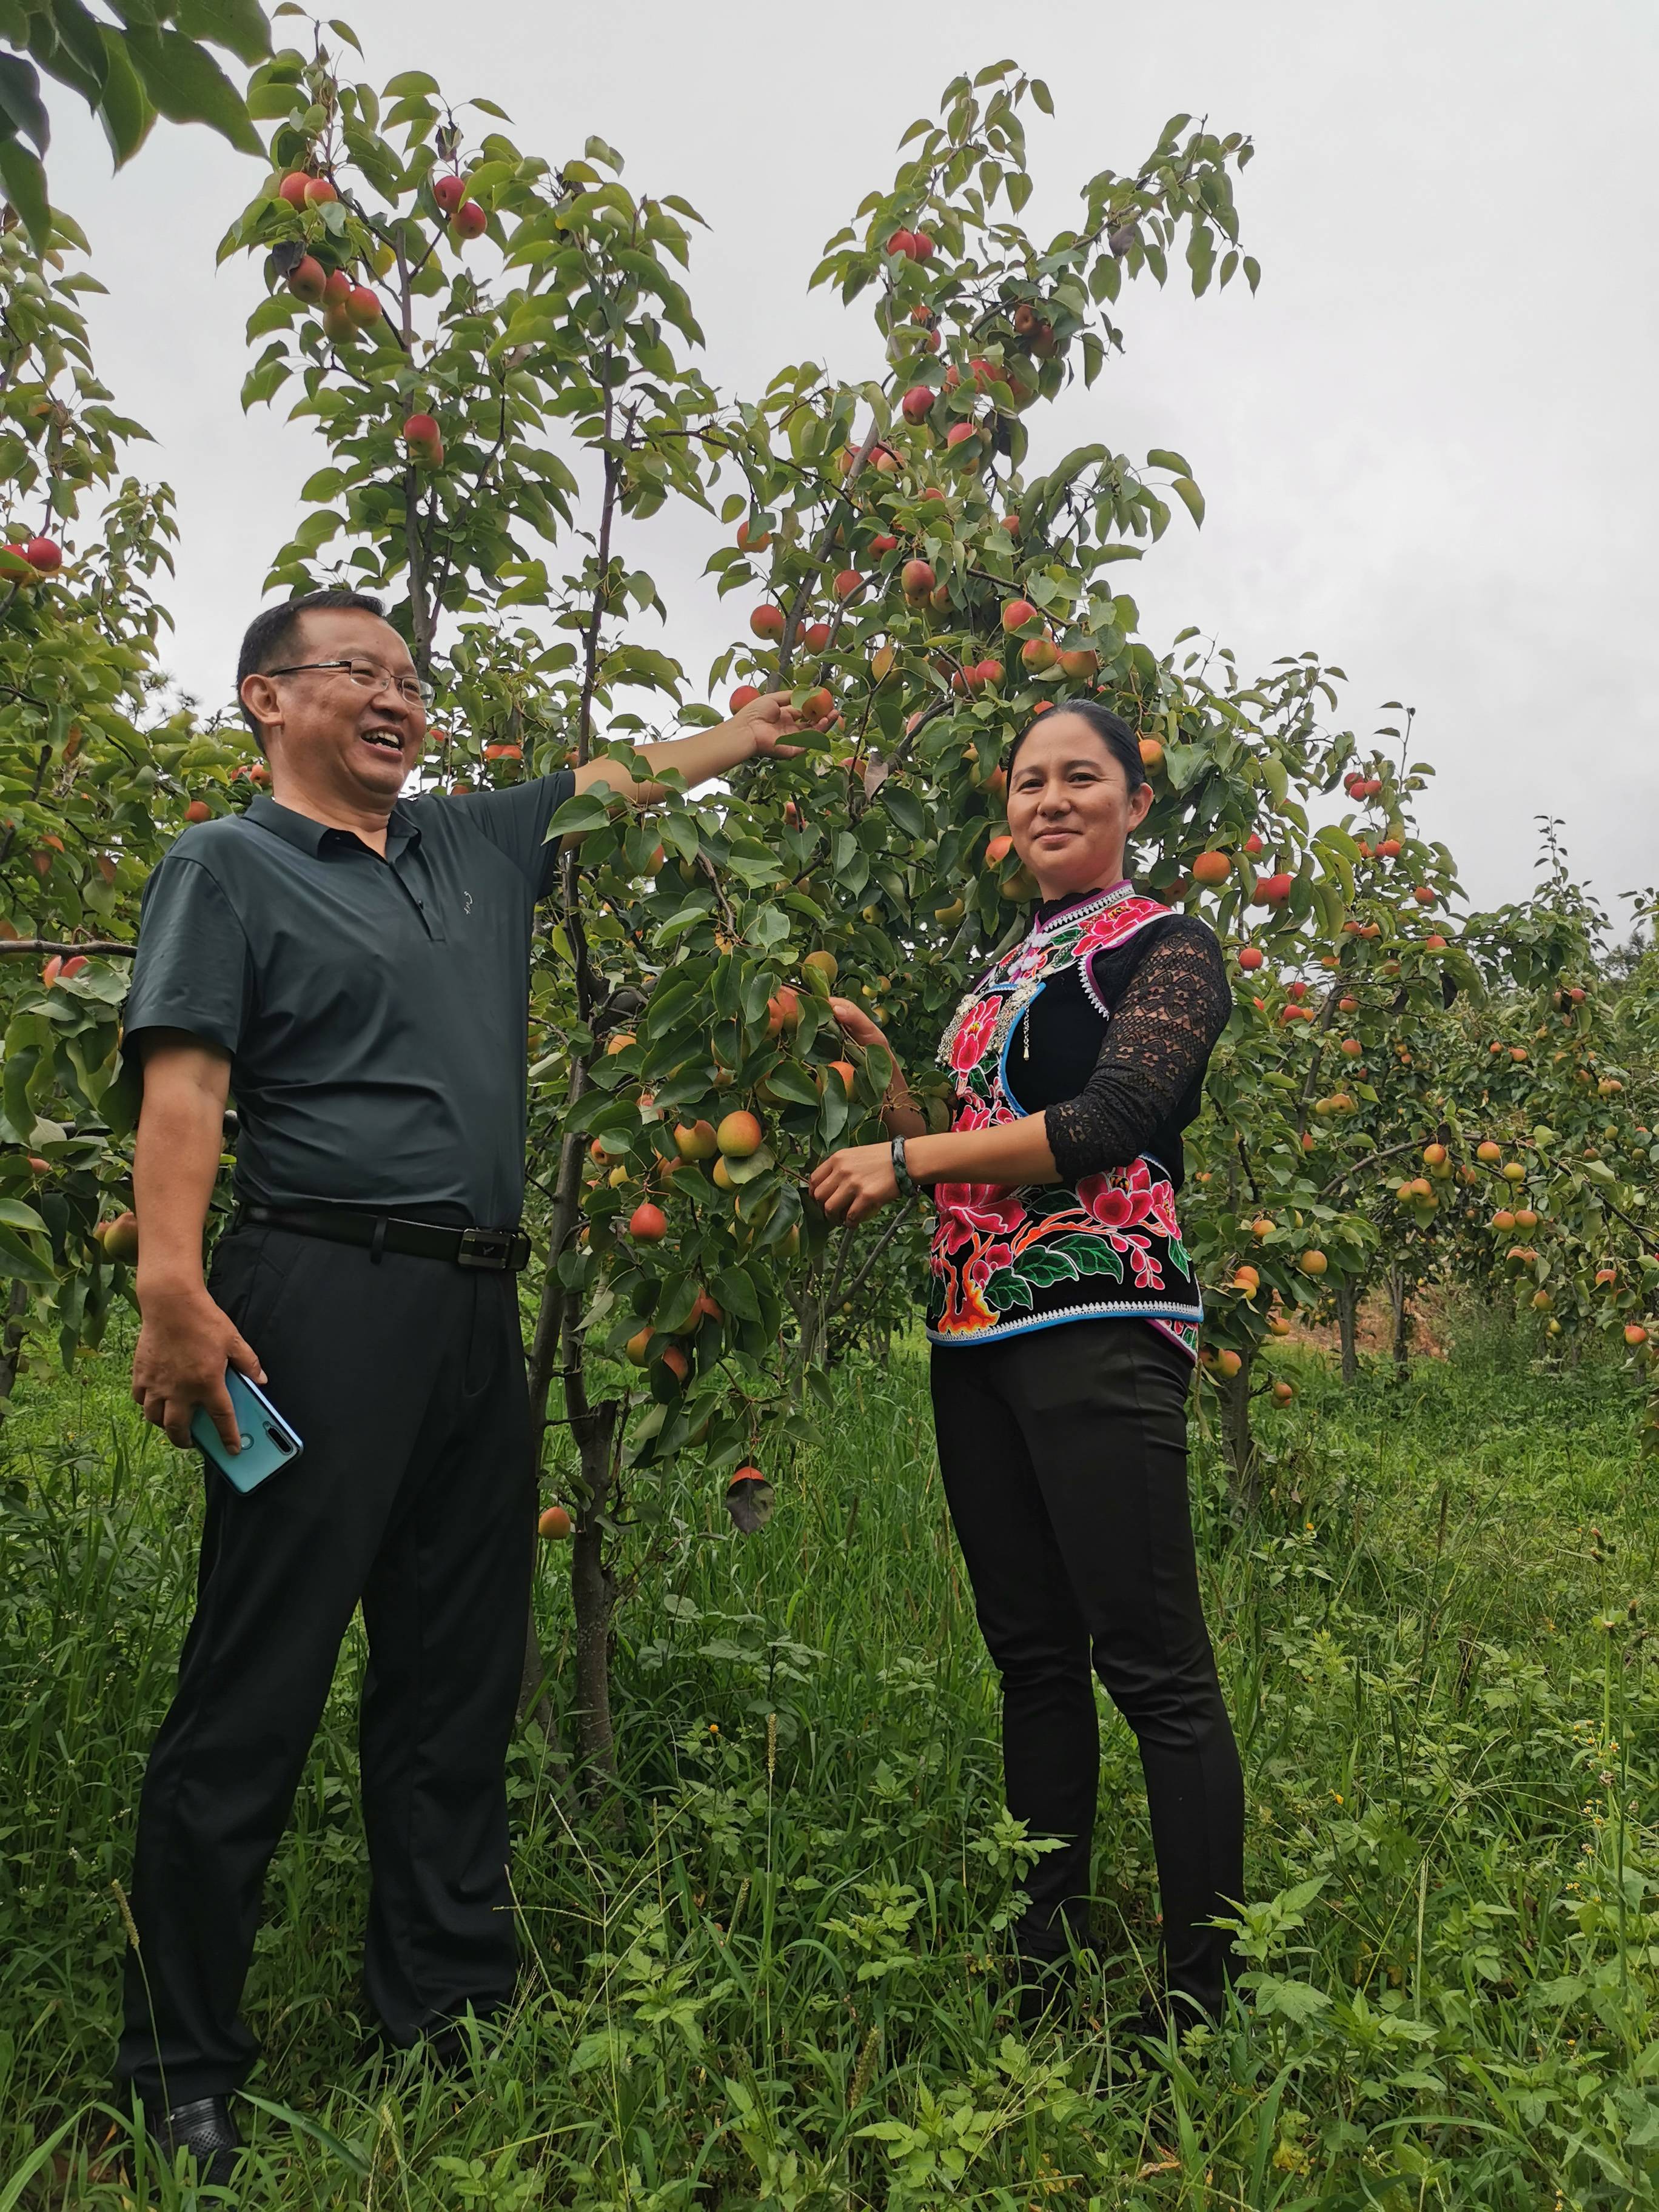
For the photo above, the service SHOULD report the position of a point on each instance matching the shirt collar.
(317, 838)
(1051, 909)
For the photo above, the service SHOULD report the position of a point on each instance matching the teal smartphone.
(268, 1443)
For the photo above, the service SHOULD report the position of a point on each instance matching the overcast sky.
(1428, 444)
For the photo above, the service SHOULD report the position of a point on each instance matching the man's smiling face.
(357, 745)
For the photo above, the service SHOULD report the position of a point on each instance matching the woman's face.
(1070, 810)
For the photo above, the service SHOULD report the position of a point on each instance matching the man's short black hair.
(272, 637)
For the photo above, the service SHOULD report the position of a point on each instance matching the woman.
(1064, 1319)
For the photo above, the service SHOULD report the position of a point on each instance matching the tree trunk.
(593, 1589)
(1402, 1317)
(1347, 1314)
(11, 1338)
(1238, 1438)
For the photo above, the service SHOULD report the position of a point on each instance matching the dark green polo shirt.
(375, 1012)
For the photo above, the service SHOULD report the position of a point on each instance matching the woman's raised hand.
(856, 1023)
(856, 1182)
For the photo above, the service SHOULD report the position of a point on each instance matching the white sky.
(1425, 445)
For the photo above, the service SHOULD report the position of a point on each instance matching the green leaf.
(16, 1215)
(791, 1081)
(20, 102)
(1296, 2000)
(1160, 457)
(123, 111)
(187, 85)
(412, 85)
(25, 183)
(1190, 497)
(587, 810)
(20, 1260)
(238, 25)
(904, 807)
(1042, 96)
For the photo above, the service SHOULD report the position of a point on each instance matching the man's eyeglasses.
(368, 676)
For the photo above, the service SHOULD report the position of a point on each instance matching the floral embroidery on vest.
(1003, 1260)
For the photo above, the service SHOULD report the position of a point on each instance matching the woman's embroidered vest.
(1002, 1260)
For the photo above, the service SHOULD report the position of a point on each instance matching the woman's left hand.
(856, 1182)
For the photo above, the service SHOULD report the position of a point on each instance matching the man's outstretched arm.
(752, 733)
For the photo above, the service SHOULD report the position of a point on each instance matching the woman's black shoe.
(205, 2128)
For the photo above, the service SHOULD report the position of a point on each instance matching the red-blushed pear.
(750, 540)
(1635, 1334)
(1152, 755)
(1227, 1364)
(963, 439)
(845, 1070)
(292, 188)
(744, 693)
(363, 305)
(36, 1165)
(1212, 868)
(902, 241)
(740, 1135)
(120, 1237)
(822, 963)
(422, 440)
(917, 403)
(847, 581)
(916, 580)
(816, 636)
(1038, 654)
(638, 1347)
(818, 706)
(503, 752)
(320, 192)
(1250, 959)
(885, 543)
(471, 220)
(1313, 1262)
(1025, 317)
(996, 851)
(556, 1524)
(697, 1143)
(1273, 891)
(921, 245)
(306, 279)
(44, 555)
(647, 1224)
(782, 1013)
(198, 810)
(675, 1362)
(1390, 848)
(1017, 614)
(1423, 894)
(1434, 942)
(1283, 1393)
(1253, 845)
(449, 190)
(767, 621)
(1079, 664)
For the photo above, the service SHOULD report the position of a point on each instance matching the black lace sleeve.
(1157, 1044)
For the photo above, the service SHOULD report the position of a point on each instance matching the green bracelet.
(902, 1175)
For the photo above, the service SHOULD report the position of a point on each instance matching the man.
(353, 967)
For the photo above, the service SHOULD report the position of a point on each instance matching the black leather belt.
(503, 1251)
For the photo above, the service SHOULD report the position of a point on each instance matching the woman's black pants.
(1064, 1454)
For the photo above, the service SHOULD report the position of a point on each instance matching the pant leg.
(446, 1608)
(1033, 1630)
(1102, 1406)
(350, 1350)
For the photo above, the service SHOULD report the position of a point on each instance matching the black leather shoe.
(205, 2128)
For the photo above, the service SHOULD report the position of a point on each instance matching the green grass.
(1448, 1714)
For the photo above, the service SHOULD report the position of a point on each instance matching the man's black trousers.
(415, 1496)
(1064, 1455)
